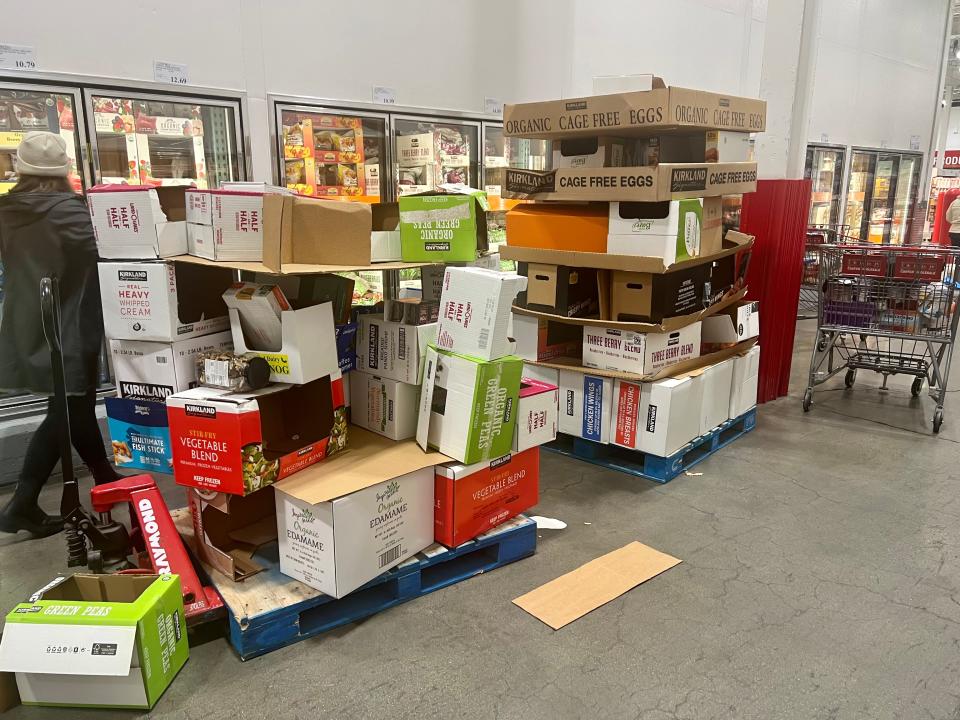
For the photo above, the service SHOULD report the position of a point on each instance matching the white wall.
(875, 75)
(953, 130)
(877, 72)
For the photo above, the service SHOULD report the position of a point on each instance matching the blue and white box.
(586, 402)
(140, 434)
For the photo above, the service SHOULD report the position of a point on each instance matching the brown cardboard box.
(302, 230)
(644, 112)
(666, 181)
(566, 291)
(652, 297)
(229, 529)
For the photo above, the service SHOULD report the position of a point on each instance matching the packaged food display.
(324, 154)
(239, 373)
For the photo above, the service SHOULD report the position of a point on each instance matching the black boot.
(22, 514)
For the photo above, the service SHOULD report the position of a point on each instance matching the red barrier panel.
(776, 214)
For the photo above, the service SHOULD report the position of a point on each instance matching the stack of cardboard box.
(476, 408)
(634, 298)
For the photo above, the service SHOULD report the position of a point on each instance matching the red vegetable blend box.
(471, 499)
(237, 443)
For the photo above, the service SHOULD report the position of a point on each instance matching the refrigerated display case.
(431, 151)
(332, 153)
(824, 169)
(25, 107)
(882, 194)
(142, 139)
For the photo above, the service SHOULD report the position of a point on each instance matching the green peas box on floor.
(97, 641)
(446, 225)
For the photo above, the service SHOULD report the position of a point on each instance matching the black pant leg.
(42, 456)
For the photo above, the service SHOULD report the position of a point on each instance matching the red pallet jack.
(153, 546)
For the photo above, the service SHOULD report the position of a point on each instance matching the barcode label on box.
(161, 359)
(215, 372)
(390, 555)
(484, 338)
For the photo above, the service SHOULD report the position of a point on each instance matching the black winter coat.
(48, 235)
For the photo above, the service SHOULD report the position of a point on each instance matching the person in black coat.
(45, 231)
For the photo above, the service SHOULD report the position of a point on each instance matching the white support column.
(257, 125)
(786, 83)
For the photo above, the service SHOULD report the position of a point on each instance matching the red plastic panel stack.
(777, 215)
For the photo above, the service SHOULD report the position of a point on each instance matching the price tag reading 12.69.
(17, 57)
(169, 72)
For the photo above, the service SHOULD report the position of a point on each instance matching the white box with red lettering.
(608, 348)
(136, 222)
(475, 311)
(162, 301)
(199, 206)
(537, 414)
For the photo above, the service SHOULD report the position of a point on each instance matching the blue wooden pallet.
(270, 610)
(653, 467)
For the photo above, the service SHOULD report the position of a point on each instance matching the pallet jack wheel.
(916, 387)
(807, 400)
(937, 420)
(850, 378)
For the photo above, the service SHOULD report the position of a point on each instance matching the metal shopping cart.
(887, 309)
(817, 237)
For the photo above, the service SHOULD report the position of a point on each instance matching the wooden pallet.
(270, 610)
(653, 467)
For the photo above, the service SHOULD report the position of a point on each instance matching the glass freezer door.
(332, 152)
(825, 171)
(431, 152)
(905, 197)
(24, 108)
(862, 167)
(880, 203)
(164, 140)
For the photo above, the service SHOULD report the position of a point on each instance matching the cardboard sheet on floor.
(596, 583)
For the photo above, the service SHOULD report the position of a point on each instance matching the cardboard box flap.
(667, 325)
(733, 243)
(23, 648)
(368, 460)
(571, 596)
(573, 364)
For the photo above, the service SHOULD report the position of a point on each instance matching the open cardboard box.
(642, 112)
(365, 511)
(162, 301)
(299, 230)
(229, 529)
(308, 349)
(574, 365)
(96, 641)
(126, 225)
(237, 443)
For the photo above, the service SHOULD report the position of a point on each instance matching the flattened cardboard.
(734, 243)
(571, 596)
(573, 364)
(646, 183)
(368, 460)
(645, 112)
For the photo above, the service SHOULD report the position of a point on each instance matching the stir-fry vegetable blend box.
(237, 443)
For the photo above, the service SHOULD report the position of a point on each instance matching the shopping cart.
(817, 237)
(887, 309)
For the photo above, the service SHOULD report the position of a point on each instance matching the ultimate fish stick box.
(237, 443)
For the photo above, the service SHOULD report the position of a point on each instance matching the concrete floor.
(820, 579)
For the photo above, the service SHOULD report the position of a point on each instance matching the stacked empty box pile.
(634, 299)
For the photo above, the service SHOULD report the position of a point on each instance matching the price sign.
(17, 57)
(384, 95)
(168, 72)
(914, 142)
(824, 138)
(492, 106)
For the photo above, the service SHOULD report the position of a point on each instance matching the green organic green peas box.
(447, 225)
(97, 641)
